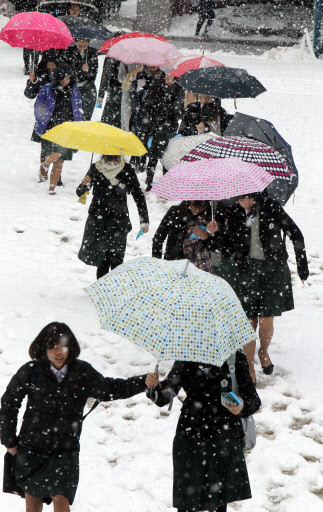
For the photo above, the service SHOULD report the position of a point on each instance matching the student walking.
(208, 460)
(108, 224)
(57, 385)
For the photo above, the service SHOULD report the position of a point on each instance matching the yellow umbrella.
(95, 137)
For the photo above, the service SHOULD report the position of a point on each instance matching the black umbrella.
(221, 82)
(264, 131)
(84, 28)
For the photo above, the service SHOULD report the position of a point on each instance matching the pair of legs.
(151, 167)
(266, 332)
(55, 159)
(206, 13)
(110, 262)
(60, 503)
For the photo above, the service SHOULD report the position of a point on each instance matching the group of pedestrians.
(243, 243)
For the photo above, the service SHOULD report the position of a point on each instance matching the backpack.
(248, 424)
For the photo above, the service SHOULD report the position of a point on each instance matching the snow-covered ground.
(126, 446)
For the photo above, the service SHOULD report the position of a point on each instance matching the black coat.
(193, 116)
(174, 227)
(109, 79)
(203, 417)
(112, 200)
(234, 240)
(54, 412)
(74, 59)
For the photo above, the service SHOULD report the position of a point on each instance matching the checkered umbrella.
(172, 309)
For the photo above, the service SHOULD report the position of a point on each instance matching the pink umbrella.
(143, 50)
(216, 179)
(129, 35)
(36, 31)
(177, 67)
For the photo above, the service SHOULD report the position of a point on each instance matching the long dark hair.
(49, 337)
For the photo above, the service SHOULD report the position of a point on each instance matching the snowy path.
(126, 445)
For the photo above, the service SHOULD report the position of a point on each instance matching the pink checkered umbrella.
(217, 179)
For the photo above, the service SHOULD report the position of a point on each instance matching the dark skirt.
(47, 148)
(112, 108)
(88, 94)
(264, 289)
(45, 475)
(208, 474)
(102, 236)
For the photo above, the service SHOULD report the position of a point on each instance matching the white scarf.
(109, 171)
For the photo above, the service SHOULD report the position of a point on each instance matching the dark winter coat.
(174, 228)
(25, 5)
(193, 116)
(53, 416)
(109, 79)
(203, 417)
(111, 201)
(74, 59)
(234, 239)
(139, 88)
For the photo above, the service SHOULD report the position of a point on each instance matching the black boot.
(150, 178)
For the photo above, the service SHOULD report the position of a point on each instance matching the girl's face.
(65, 81)
(82, 45)
(196, 208)
(59, 354)
(169, 79)
(246, 203)
(51, 66)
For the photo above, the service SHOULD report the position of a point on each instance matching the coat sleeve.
(247, 390)
(291, 230)
(32, 88)
(81, 189)
(161, 235)
(169, 387)
(138, 195)
(93, 63)
(11, 401)
(107, 389)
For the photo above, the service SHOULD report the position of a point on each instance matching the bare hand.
(201, 233)
(86, 67)
(212, 227)
(200, 127)
(145, 229)
(86, 180)
(13, 451)
(152, 380)
(234, 409)
(99, 100)
(32, 77)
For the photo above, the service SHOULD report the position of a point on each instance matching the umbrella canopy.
(36, 31)
(221, 82)
(129, 35)
(180, 146)
(172, 309)
(143, 50)
(248, 150)
(84, 28)
(177, 67)
(95, 137)
(212, 180)
(264, 131)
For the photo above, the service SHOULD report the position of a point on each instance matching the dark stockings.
(111, 261)
(205, 12)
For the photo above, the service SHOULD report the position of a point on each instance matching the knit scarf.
(194, 249)
(109, 171)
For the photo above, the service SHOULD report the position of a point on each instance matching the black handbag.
(9, 478)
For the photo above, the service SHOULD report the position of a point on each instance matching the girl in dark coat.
(58, 386)
(185, 228)
(84, 62)
(56, 103)
(208, 460)
(199, 116)
(162, 107)
(105, 234)
(254, 262)
(110, 84)
(44, 74)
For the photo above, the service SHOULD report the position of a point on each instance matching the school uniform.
(49, 438)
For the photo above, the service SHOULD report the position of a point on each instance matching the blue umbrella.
(84, 28)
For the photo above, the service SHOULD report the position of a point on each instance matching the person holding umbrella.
(255, 265)
(208, 460)
(105, 234)
(56, 103)
(83, 60)
(44, 74)
(28, 55)
(202, 114)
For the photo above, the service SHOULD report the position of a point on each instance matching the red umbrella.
(36, 31)
(177, 67)
(130, 35)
